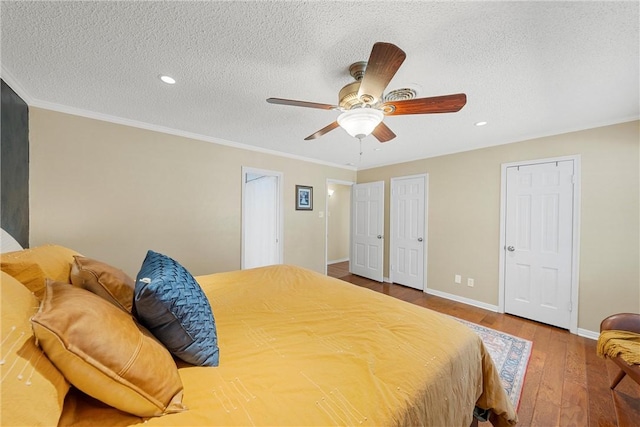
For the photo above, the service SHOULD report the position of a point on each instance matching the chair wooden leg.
(618, 378)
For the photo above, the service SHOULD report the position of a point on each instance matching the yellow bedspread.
(300, 348)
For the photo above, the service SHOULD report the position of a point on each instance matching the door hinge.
(570, 306)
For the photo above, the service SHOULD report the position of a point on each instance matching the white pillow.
(8, 243)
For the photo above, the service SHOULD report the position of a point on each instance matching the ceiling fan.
(363, 104)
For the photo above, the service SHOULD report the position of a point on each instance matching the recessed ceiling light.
(168, 80)
(480, 123)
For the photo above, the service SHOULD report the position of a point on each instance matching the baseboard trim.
(335, 261)
(588, 334)
(585, 333)
(463, 300)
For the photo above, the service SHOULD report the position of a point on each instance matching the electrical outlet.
(457, 279)
(470, 282)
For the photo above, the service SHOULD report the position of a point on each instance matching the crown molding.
(46, 105)
(15, 85)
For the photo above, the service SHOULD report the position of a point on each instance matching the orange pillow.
(33, 266)
(102, 351)
(33, 390)
(103, 280)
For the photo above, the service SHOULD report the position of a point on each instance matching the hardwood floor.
(566, 384)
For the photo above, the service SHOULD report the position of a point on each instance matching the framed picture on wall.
(304, 198)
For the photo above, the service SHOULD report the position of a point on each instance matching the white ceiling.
(528, 68)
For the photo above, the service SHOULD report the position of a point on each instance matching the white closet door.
(539, 233)
(408, 238)
(261, 219)
(367, 231)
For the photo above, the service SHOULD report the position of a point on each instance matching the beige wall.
(112, 192)
(338, 222)
(464, 216)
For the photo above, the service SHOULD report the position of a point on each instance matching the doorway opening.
(338, 222)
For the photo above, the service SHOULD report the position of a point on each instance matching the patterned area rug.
(510, 355)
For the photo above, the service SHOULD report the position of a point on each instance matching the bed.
(295, 348)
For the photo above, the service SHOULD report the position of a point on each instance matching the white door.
(408, 231)
(261, 218)
(367, 214)
(539, 242)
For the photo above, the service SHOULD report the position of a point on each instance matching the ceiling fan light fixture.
(360, 122)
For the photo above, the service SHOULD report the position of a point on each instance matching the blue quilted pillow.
(170, 303)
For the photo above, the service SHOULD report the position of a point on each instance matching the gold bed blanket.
(299, 348)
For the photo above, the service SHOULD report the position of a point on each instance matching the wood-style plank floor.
(566, 384)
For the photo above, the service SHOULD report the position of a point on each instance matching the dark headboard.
(14, 167)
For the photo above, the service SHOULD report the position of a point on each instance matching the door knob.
(511, 248)
(419, 239)
(379, 236)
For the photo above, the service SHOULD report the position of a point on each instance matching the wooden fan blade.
(322, 131)
(295, 103)
(384, 61)
(383, 133)
(436, 104)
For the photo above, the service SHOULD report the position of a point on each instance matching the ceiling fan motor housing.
(348, 96)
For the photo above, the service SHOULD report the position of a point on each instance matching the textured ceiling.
(528, 68)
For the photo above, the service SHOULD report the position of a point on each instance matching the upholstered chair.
(628, 322)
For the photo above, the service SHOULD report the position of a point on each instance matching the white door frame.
(426, 223)
(326, 219)
(575, 262)
(279, 215)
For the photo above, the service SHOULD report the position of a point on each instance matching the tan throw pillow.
(32, 389)
(103, 280)
(103, 352)
(33, 266)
